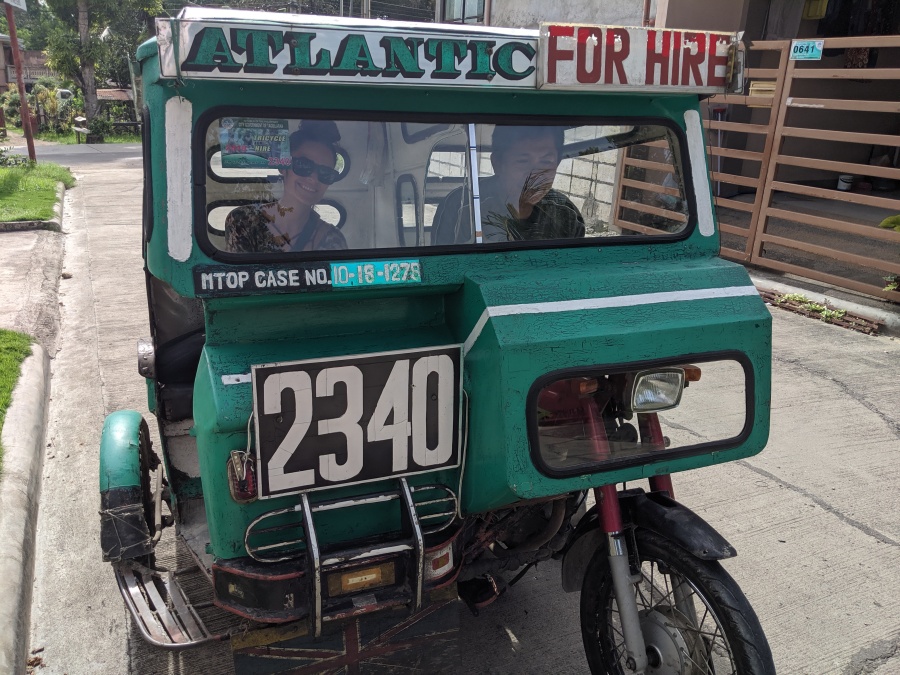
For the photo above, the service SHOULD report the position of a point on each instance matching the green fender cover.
(120, 457)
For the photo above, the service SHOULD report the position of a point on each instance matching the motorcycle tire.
(694, 617)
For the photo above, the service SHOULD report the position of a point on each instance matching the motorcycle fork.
(651, 433)
(617, 539)
(619, 565)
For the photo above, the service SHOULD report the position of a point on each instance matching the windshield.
(286, 186)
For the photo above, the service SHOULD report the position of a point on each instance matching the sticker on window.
(252, 143)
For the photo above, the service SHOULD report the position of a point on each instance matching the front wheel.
(695, 619)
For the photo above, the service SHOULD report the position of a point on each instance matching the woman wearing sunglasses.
(291, 223)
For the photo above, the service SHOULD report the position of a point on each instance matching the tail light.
(242, 477)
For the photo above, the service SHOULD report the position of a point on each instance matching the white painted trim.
(604, 303)
(179, 116)
(476, 331)
(237, 378)
(699, 175)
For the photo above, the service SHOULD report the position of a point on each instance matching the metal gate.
(778, 152)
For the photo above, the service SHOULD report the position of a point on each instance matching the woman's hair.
(319, 131)
(505, 138)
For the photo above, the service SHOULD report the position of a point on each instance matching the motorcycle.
(385, 388)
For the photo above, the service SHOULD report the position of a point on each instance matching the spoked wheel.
(695, 619)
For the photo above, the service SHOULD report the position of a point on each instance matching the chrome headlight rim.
(645, 375)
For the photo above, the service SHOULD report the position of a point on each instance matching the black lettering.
(209, 51)
(401, 56)
(481, 60)
(503, 60)
(257, 44)
(445, 54)
(353, 57)
(301, 56)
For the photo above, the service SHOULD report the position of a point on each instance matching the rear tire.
(710, 628)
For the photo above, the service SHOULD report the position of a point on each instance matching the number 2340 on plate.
(355, 419)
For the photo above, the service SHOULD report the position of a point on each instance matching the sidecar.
(356, 441)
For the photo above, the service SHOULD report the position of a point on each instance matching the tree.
(33, 26)
(75, 48)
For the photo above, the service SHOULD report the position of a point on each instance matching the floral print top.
(247, 231)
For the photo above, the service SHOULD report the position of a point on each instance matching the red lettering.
(657, 58)
(554, 53)
(615, 58)
(676, 57)
(690, 63)
(715, 60)
(595, 36)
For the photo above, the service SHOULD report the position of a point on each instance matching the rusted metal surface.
(392, 641)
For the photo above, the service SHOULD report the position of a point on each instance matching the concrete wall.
(730, 15)
(530, 13)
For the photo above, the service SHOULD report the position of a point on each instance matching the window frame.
(477, 18)
(199, 175)
(661, 456)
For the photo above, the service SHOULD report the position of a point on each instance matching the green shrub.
(891, 222)
(100, 126)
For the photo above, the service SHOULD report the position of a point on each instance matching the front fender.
(124, 531)
(120, 457)
(652, 511)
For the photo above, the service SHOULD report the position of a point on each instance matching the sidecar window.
(291, 184)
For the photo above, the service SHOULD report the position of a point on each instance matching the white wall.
(530, 13)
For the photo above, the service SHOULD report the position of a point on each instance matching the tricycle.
(422, 298)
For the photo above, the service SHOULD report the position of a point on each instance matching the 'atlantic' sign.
(225, 49)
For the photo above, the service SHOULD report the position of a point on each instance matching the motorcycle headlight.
(657, 390)
(592, 419)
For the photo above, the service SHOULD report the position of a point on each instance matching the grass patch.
(28, 192)
(70, 139)
(14, 347)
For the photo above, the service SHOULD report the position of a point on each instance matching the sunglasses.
(303, 166)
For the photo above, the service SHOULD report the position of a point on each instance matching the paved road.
(814, 518)
(76, 156)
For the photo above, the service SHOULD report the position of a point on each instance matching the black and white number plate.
(329, 422)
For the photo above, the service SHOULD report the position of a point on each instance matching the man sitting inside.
(518, 202)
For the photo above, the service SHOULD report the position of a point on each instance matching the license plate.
(327, 422)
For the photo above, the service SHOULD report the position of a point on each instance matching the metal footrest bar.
(160, 608)
(315, 566)
(418, 540)
(318, 565)
(293, 547)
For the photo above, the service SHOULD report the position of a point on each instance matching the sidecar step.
(161, 610)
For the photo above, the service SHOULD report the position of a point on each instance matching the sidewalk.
(30, 267)
(30, 264)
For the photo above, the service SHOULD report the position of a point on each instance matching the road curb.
(24, 434)
(885, 313)
(54, 224)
